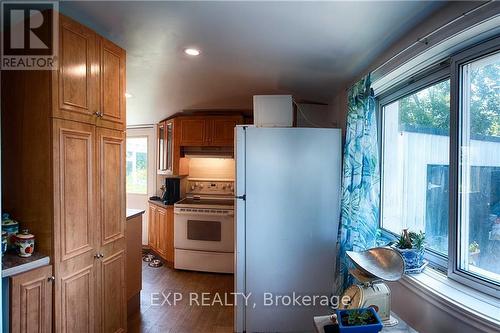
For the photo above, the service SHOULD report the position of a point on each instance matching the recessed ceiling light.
(128, 95)
(192, 52)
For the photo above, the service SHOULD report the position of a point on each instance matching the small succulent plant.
(411, 240)
(359, 317)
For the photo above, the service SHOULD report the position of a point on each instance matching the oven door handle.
(181, 211)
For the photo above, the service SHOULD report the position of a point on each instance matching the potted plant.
(411, 245)
(474, 252)
(365, 320)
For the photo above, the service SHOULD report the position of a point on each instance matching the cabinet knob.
(51, 279)
(98, 114)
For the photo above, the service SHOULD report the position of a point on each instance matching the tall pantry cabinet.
(63, 174)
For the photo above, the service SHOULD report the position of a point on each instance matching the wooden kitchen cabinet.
(111, 85)
(90, 78)
(168, 148)
(77, 160)
(193, 131)
(161, 231)
(31, 301)
(110, 152)
(223, 130)
(208, 130)
(74, 191)
(76, 77)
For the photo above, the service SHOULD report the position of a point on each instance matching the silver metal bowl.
(148, 257)
(155, 263)
(379, 263)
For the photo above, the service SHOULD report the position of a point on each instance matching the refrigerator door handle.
(244, 197)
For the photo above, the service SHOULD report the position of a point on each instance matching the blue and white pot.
(414, 258)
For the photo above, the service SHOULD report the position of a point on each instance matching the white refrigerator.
(287, 215)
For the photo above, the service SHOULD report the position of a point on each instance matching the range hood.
(207, 152)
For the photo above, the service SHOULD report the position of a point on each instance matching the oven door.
(204, 232)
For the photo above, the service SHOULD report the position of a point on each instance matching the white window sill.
(464, 303)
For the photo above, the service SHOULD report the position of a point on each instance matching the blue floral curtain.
(360, 180)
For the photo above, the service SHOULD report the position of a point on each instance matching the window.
(479, 168)
(441, 164)
(137, 165)
(415, 164)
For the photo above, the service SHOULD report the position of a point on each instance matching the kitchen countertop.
(131, 213)
(13, 264)
(160, 203)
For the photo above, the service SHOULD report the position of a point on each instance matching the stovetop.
(206, 202)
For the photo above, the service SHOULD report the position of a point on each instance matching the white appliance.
(273, 110)
(204, 227)
(287, 214)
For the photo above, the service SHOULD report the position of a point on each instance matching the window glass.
(479, 168)
(415, 164)
(137, 165)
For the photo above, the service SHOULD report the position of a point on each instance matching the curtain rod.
(424, 38)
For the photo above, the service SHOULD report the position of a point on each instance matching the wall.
(435, 21)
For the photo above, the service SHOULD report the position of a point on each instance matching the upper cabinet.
(193, 131)
(91, 77)
(168, 152)
(112, 84)
(77, 72)
(208, 130)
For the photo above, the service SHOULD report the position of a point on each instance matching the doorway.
(141, 171)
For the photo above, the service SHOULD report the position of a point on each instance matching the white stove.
(204, 227)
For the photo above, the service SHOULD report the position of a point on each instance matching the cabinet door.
(162, 232)
(31, 301)
(111, 187)
(222, 133)
(152, 230)
(74, 225)
(193, 132)
(161, 147)
(110, 164)
(169, 146)
(77, 79)
(170, 236)
(111, 281)
(111, 85)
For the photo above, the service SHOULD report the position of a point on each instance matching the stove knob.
(223, 186)
(201, 185)
(192, 187)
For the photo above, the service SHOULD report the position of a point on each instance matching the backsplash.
(210, 168)
(213, 168)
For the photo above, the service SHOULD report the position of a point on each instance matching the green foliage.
(473, 247)
(359, 317)
(430, 107)
(411, 240)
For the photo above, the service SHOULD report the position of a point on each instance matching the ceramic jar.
(4, 241)
(25, 243)
(12, 228)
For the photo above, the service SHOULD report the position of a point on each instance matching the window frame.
(447, 69)
(431, 77)
(457, 61)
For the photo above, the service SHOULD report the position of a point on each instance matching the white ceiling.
(308, 49)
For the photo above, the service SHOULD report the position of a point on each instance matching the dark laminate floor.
(182, 318)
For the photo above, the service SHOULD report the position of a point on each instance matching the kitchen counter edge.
(131, 213)
(12, 264)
